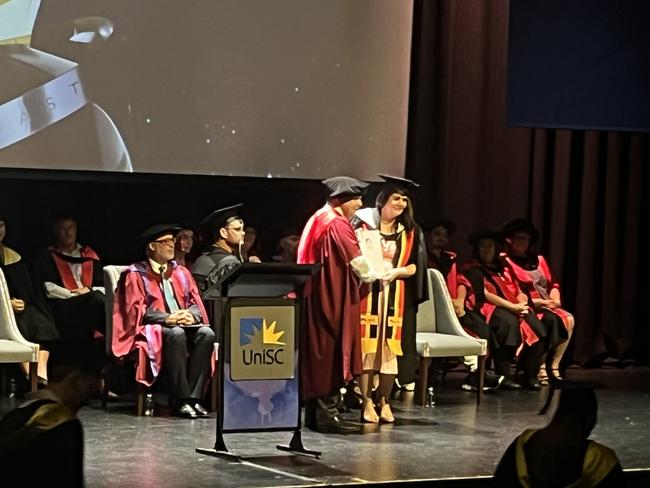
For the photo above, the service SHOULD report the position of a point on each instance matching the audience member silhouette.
(561, 454)
(42, 440)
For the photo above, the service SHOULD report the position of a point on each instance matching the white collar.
(370, 216)
(157, 267)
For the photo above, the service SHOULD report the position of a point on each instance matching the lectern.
(256, 309)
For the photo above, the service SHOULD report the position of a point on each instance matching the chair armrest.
(8, 327)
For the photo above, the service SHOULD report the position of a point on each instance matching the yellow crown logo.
(268, 333)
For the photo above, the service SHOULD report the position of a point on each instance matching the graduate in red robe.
(330, 350)
(503, 305)
(156, 302)
(534, 276)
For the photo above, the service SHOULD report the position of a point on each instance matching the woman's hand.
(17, 304)
(521, 309)
(391, 275)
(459, 306)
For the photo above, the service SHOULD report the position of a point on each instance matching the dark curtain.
(582, 189)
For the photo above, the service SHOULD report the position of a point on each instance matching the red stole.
(526, 282)
(509, 290)
(65, 273)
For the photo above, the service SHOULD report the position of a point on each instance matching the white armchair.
(111, 277)
(439, 334)
(14, 348)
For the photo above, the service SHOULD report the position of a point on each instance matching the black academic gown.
(35, 322)
(76, 318)
(212, 266)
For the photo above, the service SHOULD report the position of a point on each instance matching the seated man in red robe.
(331, 344)
(158, 312)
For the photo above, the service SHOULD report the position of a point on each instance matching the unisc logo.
(260, 342)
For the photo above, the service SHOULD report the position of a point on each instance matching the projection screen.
(281, 88)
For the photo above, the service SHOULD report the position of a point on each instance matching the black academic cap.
(217, 219)
(484, 234)
(520, 225)
(399, 182)
(344, 186)
(158, 230)
(572, 392)
(446, 223)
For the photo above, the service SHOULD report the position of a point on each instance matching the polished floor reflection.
(452, 439)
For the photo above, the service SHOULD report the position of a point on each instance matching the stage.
(452, 444)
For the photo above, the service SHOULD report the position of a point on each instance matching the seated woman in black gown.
(30, 308)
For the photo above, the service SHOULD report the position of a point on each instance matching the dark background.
(583, 189)
(579, 64)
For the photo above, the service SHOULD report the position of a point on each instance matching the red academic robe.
(331, 345)
(504, 285)
(526, 283)
(139, 290)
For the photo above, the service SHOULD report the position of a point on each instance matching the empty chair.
(439, 334)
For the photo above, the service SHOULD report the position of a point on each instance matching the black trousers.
(508, 335)
(186, 360)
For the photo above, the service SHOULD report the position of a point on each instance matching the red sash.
(65, 273)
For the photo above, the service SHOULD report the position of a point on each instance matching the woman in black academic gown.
(30, 308)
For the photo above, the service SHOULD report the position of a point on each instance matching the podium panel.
(255, 309)
(260, 375)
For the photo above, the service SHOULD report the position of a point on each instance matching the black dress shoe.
(327, 423)
(508, 384)
(532, 384)
(335, 425)
(187, 411)
(200, 410)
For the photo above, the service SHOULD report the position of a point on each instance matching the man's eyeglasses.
(237, 228)
(167, 242)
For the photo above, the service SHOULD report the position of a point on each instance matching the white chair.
(13, 346)
(111, 277)
(439, 334)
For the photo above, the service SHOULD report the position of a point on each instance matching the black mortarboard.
(158, 230)
(399, 182)
(217, 219)
(344, 186)
(484, 234)
(446, 223)
(520, 225)
(572, 390)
